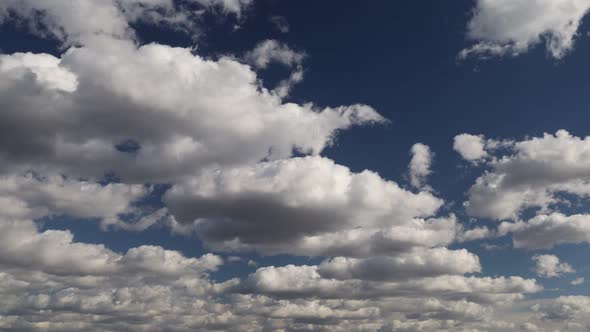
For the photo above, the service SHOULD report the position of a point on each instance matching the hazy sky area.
(294, 165)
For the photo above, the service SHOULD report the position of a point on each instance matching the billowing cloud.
(548, 266)
(82, 134)
(512, 27)
(29, 196)
(532, 174)
(292, 200)
(304, 281)
(470, 147)
(55, 252)
(414, 264)
(565, 308)
(163, 118)
(546, 231)
(151, 99)
(420, 164)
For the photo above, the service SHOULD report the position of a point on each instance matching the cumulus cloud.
(164, 117)
(420, 164)
(152, 97)
(546, 231)
(304, 281)
(55, 252)
(65, 283)
(110, 107)
(512, 27)
(532, 174)
(30, 196)
(291, 200)
(71, 285)
(470, 147)
(476, 233)
(577, 281)
(548, 266)
(530, 327)
(415, 264)
(564, 308)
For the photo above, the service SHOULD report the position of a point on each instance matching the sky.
(266, 165)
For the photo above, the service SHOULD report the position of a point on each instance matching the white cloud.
(470, 147)
(210, 128)
(477, 233)
(530, 327)
(532, 173)
(269, 51)
(386, 240)
(303, 281)
(548, 266)
(546, 231)
(565, 308)
(415, 264)
(154, 96)
(420, 164)
(244, 123)
(45, 69)
(512, 27)
(34, 196)
(55, 252)
(577, 281)
(291, 200)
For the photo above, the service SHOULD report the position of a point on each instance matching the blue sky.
(263, 165)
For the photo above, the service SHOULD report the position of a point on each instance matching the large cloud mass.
(135, 136)
(293, 200)
(182, 112)
(512, 27)
(532, 174)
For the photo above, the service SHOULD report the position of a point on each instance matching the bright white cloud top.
(512, 27)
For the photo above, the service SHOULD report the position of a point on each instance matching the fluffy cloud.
(420, 164)
(305, 281)
(152, 97)
(31, 196)
(546, 231)
(532, 174)
(577, 281)
(564, 308)
(269, 51)
(49, 282)
(415, 264)
(292, 200)
(55, 252)
(272, 51)
(224, 142)
(548, 266)
(512, 27)
(164, 117)
(389, 240)
(530, 327)
(470, 147)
